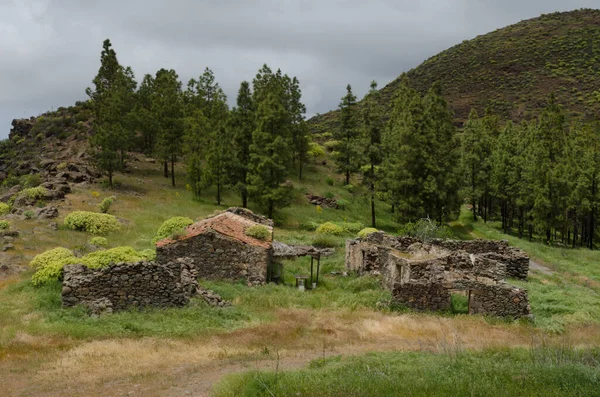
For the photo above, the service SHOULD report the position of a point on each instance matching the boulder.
(46, 213)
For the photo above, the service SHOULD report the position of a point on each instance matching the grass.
(500, 372)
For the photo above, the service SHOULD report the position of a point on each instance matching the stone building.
(220, 249)
(424, 275)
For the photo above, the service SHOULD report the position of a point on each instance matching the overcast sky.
(50, 49)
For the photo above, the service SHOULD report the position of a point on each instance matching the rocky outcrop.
(323, 202)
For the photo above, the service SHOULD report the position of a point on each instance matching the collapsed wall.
(125, 285)
(424, 275)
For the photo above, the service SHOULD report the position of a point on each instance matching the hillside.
(512, 70)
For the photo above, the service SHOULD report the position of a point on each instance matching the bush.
(34, 193)
(10, 181)
(105, 205)
(99, 259)
(4, 209)
(31, 180)
(315, 150)
(99, 241)
(258, 232)
(330, 228)
(425, 229)
(92, 222)
(366, 231)
(329, 195)
(351, 227)
(310, 226)
(329, 180)
(49, 265)
(28, 214)
(349, 188)
(171, 225)
(148, 254)
(342, 204)
(331, 145)
(324, 241)
(4, 225)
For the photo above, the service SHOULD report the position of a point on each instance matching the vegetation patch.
(92, 222)
(99, 241)
(259, 232)
(170, 226)
(4, 225)
(4, 209)
(492, 372)
(105, 205)
(330, 228)
(366, 231)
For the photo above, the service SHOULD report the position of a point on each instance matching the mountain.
(513, 70)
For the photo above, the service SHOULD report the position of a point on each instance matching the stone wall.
(123, 285)
(218, 257)
(499, 300)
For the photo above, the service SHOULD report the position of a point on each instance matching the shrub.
(331, 145)
(366, 231)
(324, 241)
(425, 229)
(99, 259)
(28, 214)
(315, 150)
(329, 195)
(34, 193)
(351, 227)
(4, 209)
(330, 228)
(61, 166)
(105, 205)
(349, 188)
(309, 225)
(259, 232)
(92, 222)
(329, 180)
(99, 241)
(171, 225)
(178, 234)
(10, 181)
(49, 265)
(4, 225)
(31, 180)
(342, 204)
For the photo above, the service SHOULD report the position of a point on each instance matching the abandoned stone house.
(216, 248)
(424, 275)
(220, 249)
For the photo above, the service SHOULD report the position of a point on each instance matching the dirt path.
(540, 268)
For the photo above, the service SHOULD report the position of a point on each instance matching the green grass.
(488, 373)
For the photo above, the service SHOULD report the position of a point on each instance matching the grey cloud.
(49, 49)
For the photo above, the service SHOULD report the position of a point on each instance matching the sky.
(50, 49)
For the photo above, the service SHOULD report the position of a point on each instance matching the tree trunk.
(270, 212)
(173, 171)
(473, 192)
(219, 191)
(166, 169)
(244, 198)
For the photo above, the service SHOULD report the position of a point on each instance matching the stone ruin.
(424, 275)
(214, 248)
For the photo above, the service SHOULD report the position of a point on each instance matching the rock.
(322, 201)
(11, 192)
(53, 226)
(46, 213)
(8, 247)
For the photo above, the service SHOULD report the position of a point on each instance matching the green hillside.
(513, 70)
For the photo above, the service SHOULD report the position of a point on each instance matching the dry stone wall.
(124, 285)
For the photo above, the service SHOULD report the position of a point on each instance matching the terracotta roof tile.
(227, 224)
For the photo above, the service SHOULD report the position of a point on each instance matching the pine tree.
(270, 152)
(299, 129)
(112, 99)
(373, 126)
(167, 107)
(145, 121)
(243, 125)
(349, 151)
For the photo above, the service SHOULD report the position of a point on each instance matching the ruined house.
(220, 249)
(424, 275)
